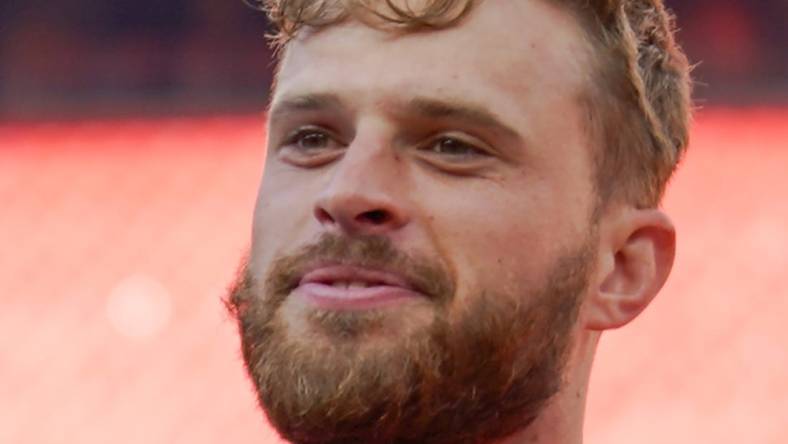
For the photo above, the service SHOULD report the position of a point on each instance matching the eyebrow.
(459, 111)
(304, 103)
(420, 107)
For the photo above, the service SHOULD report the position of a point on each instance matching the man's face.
(423, 233)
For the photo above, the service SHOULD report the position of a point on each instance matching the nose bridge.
(364, 191)
(368, 164)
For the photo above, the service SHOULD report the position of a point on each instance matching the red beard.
(470, 375)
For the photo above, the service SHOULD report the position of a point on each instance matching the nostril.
(376, 217)
(323, 216)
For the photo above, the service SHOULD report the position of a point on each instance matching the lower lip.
(336, 298)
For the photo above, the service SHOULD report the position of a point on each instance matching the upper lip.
(330, 273)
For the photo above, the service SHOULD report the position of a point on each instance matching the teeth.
(349, 284)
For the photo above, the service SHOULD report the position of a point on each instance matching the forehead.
(507, 53)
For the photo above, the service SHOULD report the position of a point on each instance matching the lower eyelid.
(308, 160)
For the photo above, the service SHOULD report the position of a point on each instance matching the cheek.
(499, 240)
(498, 263)
(488, 238)
(283, 211)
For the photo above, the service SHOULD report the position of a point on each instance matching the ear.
(636, 254)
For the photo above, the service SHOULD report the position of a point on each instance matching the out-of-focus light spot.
(139, 307)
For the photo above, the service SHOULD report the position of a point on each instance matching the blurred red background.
(120, 238)
(131, 146)
(115, 58)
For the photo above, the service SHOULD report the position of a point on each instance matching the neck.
(561, 422)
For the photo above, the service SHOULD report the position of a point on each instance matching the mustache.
(428, 276)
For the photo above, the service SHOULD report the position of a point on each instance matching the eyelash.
(470, 150)
(474, 151)
(301, 134)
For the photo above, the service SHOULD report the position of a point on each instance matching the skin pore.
(460, 155)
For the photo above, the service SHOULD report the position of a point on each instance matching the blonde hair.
(639, 105)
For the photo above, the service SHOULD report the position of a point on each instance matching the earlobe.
(635, 260)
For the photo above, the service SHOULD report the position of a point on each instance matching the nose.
(363, 197)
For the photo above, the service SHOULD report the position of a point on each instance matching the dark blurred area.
(105, 58)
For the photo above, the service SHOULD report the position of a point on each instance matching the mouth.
(352, 287)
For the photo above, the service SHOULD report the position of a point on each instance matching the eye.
(309, 139)
(455, 149)
(309, 147)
